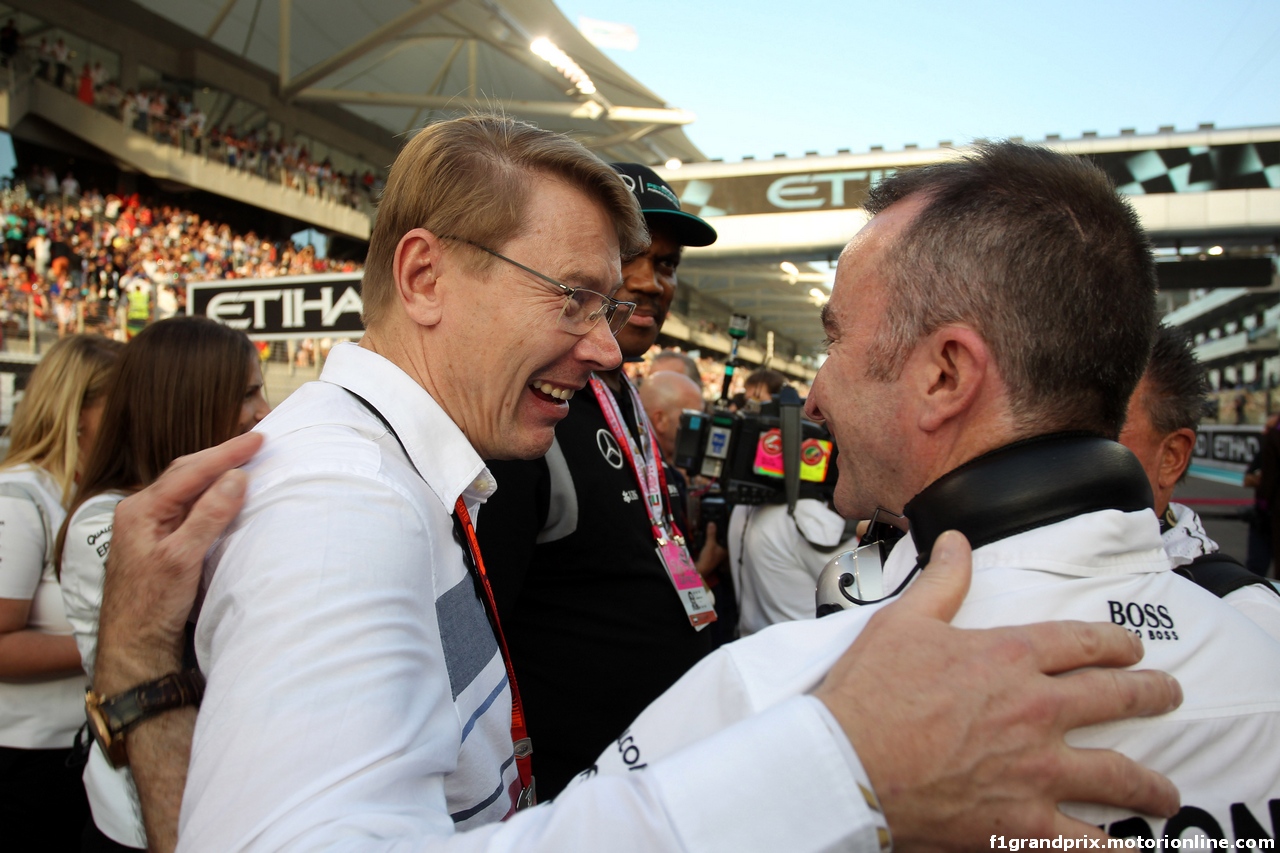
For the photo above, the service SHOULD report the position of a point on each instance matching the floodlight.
(544, 48)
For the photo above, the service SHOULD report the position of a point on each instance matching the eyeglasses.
(583, 307)
(857, 577)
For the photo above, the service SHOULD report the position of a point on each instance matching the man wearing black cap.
(587, 563)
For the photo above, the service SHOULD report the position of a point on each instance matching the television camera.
(769, 455)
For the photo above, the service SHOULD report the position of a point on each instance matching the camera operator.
(1160, 429)
(987, 328)
(776, 556)
(763, 385)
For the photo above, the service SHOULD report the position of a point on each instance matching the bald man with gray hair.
(665, 395)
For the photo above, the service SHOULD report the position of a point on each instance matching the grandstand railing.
(162, 160)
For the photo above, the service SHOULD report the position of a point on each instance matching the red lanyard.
(519, 734)
(652, 479)
(520, 741)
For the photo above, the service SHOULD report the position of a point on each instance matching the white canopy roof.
(403, 63)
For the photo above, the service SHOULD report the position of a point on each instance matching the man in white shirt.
(987, 328)
(1160, 429)
(776, 557)
(355, 696)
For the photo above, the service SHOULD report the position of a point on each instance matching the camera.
(770, 456)
(766, 455)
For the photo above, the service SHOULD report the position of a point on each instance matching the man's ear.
(415, 270)
(953, 367)
(1175, 456)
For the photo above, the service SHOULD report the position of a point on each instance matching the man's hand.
(961, 731)
(157, 552)
(712, 554)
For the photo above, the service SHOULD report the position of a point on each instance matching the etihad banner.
(278, 309)
(1226, 448)
(1154, 171)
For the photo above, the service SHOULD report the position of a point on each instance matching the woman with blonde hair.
(42, 801)
(183, 384)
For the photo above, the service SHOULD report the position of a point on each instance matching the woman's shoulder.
(96, 509)
(31, 481)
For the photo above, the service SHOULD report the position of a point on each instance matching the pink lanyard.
(651, 478)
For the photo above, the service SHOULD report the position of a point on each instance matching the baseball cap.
(658, 203)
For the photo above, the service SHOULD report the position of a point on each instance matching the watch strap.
(175, 690)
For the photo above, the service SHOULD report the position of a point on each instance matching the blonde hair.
(45, 429)
(469, 178)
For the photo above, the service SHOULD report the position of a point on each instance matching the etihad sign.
(770, 193)
(824, 189)
(282, 308)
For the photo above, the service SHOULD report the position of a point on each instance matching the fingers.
(1063, 646)
(1104, 776)
(1067, 827)
(940, 589)
(1100, 695)
(189, 476)
(209, 516)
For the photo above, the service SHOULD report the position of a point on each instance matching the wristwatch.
(110, 718)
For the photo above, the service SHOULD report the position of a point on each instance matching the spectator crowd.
(74, 256)
(170, 115)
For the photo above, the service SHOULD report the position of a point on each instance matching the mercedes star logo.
(609, 448)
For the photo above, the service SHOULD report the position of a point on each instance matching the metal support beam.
(572, 109)
(434, 88)
(623, 138)
(253, 24)
(589, 110)
(655, 115)
(219, 18)
(383, 34)
(282, 56)
(473, 89)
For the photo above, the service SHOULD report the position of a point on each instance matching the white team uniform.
(1221, 747)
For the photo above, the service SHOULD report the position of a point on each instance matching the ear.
(1175, 456)
(952, 367)
(416, 270)
(659, 420)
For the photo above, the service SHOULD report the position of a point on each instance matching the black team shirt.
(595, 627)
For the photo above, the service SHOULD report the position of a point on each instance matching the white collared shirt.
(774, 563)
(356, 698)
(1219, 747)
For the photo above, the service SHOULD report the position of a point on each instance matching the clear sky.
(771, 77)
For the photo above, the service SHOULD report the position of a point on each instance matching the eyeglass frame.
(611, 306)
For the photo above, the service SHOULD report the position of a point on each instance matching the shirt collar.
(436, 446)
(1095, 544)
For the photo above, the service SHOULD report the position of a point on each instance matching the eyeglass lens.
(584, 308)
